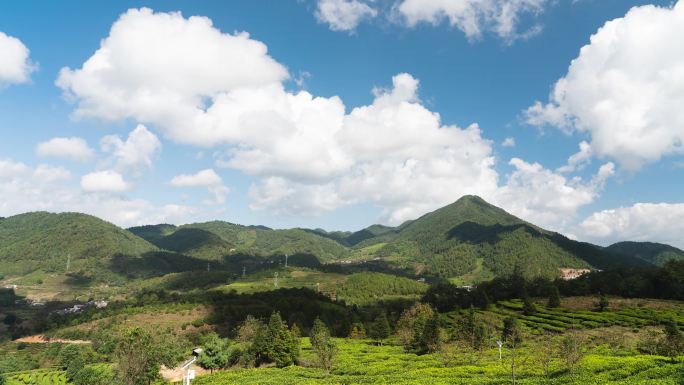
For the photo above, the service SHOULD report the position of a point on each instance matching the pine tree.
(528, 306)
(215, 354)
(380, 329)
(322, 345)
(554, 297)
(429, 338)
(282, 346)
(603, 303)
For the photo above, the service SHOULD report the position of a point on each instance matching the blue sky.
(132, 156)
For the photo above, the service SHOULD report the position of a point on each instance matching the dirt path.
(40, 339)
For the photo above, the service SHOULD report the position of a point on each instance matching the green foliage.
(511, 332)
(365, 288)
(529, 307)
(94, 375)
(655, 253)
(673, 341)
(323, 346)
(411, 325)
(471, 331)
(216, 353)
(603, 303)
(44, 241)
(380, 328)
(554, 297)
(138, 361)
(274, 343)
(430, 340)
(452, 241)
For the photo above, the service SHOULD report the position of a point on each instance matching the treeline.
(666, 282)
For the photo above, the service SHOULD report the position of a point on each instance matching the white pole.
(500, 343)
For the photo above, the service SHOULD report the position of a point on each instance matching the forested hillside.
(45, 241)
(655, 253)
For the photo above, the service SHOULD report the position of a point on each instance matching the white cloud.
(307, 154)
(161, 67)
(343, 15)
(508, 142)
(474, 17)
(24, 188)
(47, 173)
(626, 88)
(578, 160)
(15, 65)
(655, 222)
(106, 181)
(73, 148)
(545, 198)
(136, 152)
(205, 178)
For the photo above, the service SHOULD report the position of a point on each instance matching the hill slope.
(471, 236)
(45, 241)
(216, 239)
(655, 253)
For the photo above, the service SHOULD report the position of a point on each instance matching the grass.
(361, 362)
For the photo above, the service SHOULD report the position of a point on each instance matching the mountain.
(216, 239)
(473, 238)
(46, 241)
(655, 253)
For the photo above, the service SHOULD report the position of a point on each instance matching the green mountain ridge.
(469, 240)
(652, 252)
(46, 241)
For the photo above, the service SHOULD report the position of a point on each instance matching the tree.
(572, 350)
(282, 346)
(248, 329)
(430, 337)
(215, 354)
(380, 329)
(673, 341)
(603, 303)
(554, 297)
(411, 324)
(528, 306)
(137, 363)
(94, 375)
(357, 331)
(3, 380)
(322, 345)
(512, 337)
(470, 331)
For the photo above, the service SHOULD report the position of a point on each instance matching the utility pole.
(208, 268)
(68, 262)
(244, 271)
(500, 343)
(286, 260)
(275, 279)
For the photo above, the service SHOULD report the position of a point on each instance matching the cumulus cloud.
(134, 153)
(24, 188)
(508, 142)
(625, 89)
(15, 65)
(161, 67)
(73, 148)
(548, 198)
(343, 15)
(656, 222)
(578, 160)
(205, 178)
(307, 154)
(106, 181)
(474, 17)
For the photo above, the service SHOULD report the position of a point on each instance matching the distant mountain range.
(469, 239)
